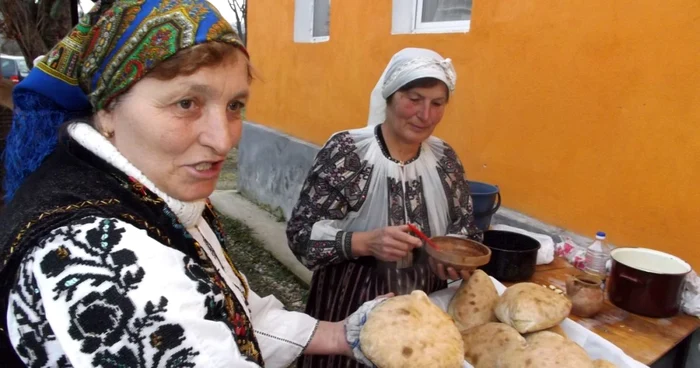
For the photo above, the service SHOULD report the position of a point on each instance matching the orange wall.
(585, 113)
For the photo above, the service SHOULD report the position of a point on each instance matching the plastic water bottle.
(597, 255)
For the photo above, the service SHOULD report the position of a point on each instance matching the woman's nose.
(219, 133)
(424, 112)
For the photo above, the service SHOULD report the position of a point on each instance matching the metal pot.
(513, 255)
(646, 281)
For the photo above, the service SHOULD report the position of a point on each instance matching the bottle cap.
(600, 235)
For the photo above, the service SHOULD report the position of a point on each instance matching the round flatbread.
(600, 363)
(483, 345)
(529, 307)
(474, 302)
(546, 350)
(556, 329)
(410, 331)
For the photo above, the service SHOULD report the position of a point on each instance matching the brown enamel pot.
(646, 281)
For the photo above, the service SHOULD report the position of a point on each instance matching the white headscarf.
(406, 66)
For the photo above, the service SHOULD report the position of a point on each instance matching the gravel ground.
(227, 179)
(264, 273)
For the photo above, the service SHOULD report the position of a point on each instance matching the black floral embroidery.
(197, 274)
(100, 319)
(182, 358)
(33, 350)
(63, 362)
(213, 300)
(124, 357)
(107, 323)
(36, 333)
(167, 337)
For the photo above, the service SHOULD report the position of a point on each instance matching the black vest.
(73, 183)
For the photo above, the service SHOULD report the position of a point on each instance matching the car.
(14, 67)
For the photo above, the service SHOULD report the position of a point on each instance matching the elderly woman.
(111, 255)
(366, 185)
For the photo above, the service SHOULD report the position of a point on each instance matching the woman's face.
(179, 131)
(414, 114)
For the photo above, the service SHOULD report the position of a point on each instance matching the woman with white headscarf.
(349, 225)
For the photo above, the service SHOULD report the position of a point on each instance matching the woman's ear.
(104, 122)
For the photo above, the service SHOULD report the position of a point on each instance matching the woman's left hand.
(448, 273)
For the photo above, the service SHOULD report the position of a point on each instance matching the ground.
(264, 273)
(227, 179)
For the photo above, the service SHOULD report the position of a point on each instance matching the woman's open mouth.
(204, 166)
(206, 170)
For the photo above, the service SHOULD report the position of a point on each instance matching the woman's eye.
(236, 106)
(185, 104)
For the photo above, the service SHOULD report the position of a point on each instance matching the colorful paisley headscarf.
(114, 45)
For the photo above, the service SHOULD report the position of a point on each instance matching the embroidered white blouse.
(166, 308)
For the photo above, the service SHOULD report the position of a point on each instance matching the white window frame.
(406, 19)
(304, 22)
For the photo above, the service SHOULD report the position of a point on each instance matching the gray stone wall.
(272, 166)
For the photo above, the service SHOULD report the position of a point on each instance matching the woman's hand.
(353, 327)
(448, 273)
(343, 338)
(388, 244)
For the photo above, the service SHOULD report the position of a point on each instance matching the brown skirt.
(339, 290)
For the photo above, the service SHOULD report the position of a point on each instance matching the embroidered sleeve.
(458, 196)
(101, 292)
(335, 185)
(283, 335)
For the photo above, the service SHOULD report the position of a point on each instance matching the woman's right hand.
(388, 244)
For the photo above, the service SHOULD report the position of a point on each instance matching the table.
(644, 339)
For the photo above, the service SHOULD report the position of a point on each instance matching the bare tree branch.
(36, 25)
(240, 11)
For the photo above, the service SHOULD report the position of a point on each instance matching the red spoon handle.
(423, 237)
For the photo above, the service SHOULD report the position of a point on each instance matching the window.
(322, 18)
(22, 65)
(312, 20)
(8, 68)
(443, 15)
(431, 16)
